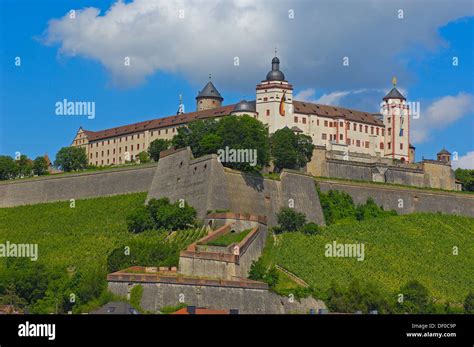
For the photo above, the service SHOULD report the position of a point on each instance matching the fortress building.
(343, 133)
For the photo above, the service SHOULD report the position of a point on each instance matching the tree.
(40, 166)
(290, 151)
(25, 166)
(290, 220)
(140, 220)
(245, 132)
(283, 149)
(71, 159)
(193, 134)
(466, 176)
(416, 298)
(236, 133)
(469, 303)
(8, 168)
(156, 147)
(310, 229)
(144, 157)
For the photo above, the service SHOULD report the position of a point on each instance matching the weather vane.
(394, 81)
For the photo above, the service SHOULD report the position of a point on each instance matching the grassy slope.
(397, 249)
(82, 236)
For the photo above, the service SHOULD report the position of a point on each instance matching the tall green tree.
(40, 166)
(236, 133)
(466, 176)
(71, 159)
(156, 147)
(8, 168)
(245, 132)
(25, 166)
(289, 150)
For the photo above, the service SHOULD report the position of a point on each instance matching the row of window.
(102, 143)
(108, 162)
(119, 150)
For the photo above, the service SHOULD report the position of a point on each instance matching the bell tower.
(274, 99)
(396, 118)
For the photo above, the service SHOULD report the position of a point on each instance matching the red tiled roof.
(334, 111)
(159, 123)
(299, 107)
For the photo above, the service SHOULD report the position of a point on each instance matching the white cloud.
(465, 162)
(213, 33)
(440, 114)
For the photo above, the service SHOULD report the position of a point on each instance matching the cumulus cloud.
(213, 35)
(440, 114)
(465, 162)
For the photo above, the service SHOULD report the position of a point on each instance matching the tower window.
(268, 112)
(265, 99)
(401, 146)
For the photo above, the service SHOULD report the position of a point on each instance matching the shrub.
(257, 271)
(136, 296)
(469, 303)
(271, 277)
(371, 210)
(290, 220)
(310, 229)
(139, 221)
(144, 157)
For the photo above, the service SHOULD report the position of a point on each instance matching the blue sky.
(80, 64)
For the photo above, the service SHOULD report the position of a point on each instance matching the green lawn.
(397, 249)
(229, 238)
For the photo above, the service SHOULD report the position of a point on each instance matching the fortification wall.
(429, 174)
(229, 262)
(207, 186)
(76, 186)
(410, 200)
(246, 300)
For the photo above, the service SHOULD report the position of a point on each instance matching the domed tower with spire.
(396, 117)
(274, 99)
(209, 97)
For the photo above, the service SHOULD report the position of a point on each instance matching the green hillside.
(78, 241)
(397, 249)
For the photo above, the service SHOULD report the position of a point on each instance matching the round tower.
(209, 97)
(396, 117)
